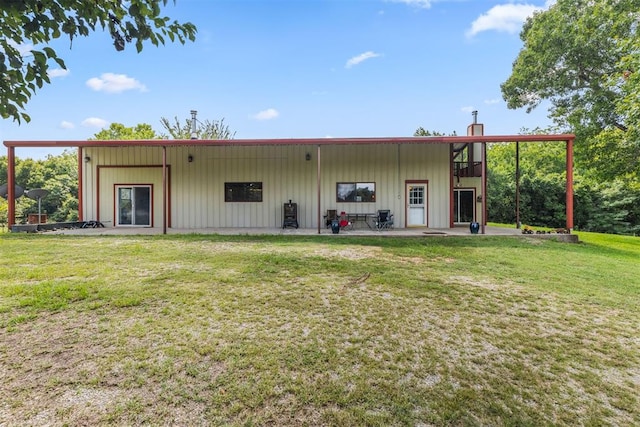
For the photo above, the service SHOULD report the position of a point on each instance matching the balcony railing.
(463, 170)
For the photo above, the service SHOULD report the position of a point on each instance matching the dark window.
(356, 192)
(242, 191)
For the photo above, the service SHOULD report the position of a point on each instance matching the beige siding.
(113, 167)
(111, 177)
(375, 163)
(431, 163)
(197, 187)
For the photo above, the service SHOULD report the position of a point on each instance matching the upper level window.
(242, 191)
(356, 192)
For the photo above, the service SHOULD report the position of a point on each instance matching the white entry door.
(416, 195)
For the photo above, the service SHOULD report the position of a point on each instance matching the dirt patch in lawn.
(77, 369)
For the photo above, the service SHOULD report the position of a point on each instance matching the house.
(435, 182)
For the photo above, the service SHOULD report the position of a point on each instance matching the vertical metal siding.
(122, 158)
(197, 187)
(430, 163)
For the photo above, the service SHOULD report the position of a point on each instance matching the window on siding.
(356, 192)
(242, 191)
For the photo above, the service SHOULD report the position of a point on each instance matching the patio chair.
(344, 221)
(384, 220)
(330, 216)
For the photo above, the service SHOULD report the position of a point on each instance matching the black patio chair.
(330, 216)
(384, 220)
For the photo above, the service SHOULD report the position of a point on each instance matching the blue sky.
(296, 68)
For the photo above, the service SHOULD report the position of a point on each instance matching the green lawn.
(272, 330)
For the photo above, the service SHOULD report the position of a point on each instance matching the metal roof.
(295, 141)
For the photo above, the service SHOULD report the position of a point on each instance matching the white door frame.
(456, 198)
(417, 203)
(134, 217)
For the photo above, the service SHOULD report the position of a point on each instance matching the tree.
(582, 56)
(607, 207)
(38, 22)
(60, 178)
(118, 131)
(422, 132)
(209, 129)
(628, 106)
(58, 175)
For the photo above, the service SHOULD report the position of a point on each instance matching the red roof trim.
(296, 141)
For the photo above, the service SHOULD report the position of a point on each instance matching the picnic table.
(350, 221)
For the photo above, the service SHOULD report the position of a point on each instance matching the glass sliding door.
(142, 206)
(464, 205)
(133, 205)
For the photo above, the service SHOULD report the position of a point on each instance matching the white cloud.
(23, 48)
(94, 122)
(503, 17)
(58, 72)
(468, 109)
(268, 114)
(492, 101)
(115, 83)
(66, 125)
(360, 58)
(423, 4)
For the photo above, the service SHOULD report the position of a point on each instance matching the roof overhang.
(295, 141)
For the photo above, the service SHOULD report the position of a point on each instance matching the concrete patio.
(396, 232)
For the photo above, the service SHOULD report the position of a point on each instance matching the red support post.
(11, 186)
(570, 184)
(452, 185)
(483, 224)
(518, 185)
(80, 185)
(165, 188)
(318, 184)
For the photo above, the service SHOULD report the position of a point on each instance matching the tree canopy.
(600, 206)
(423, 132)
(209, 129)
(118, 131)
(583, 56)
(32, 24)
(57, 174)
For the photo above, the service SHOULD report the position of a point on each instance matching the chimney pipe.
(194, 129)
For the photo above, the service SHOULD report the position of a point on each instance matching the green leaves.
(575, 56)
(118, 131)
(568, 51)
(36, 22)
(601, 206)
(58, 174)
(209, 129)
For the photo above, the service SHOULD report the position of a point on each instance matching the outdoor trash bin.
(335, 226)
(474, 227)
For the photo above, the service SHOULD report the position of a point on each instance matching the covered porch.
(316, 149)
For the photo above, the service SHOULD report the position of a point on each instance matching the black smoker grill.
(290, 215)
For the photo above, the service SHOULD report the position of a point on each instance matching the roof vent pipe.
(474, 113)
(194, 130)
